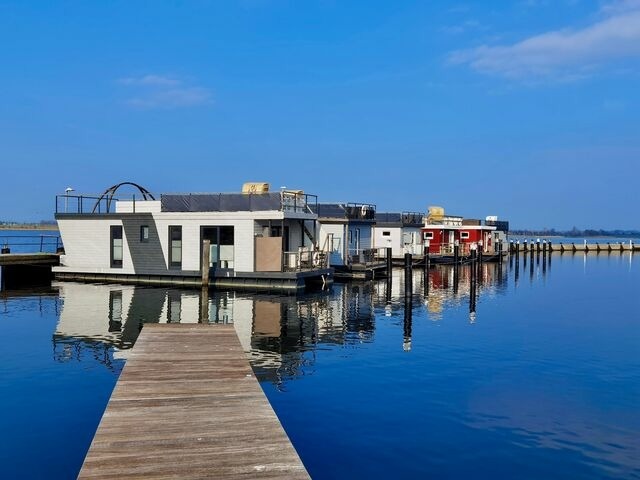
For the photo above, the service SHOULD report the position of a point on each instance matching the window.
(144, 233)
(464, 235)
(386, 233)
(175, 247)
(116, 246)
(428, 235)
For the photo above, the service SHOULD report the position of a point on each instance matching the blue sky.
(529, 110)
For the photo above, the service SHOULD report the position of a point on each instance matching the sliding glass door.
(221, 248)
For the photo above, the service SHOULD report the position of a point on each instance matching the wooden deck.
(187, 405)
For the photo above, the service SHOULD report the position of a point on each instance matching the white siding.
(393, 240)
(324, 230)
(87, 241)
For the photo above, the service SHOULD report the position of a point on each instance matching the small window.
(464, 235)
(116, 246)
(428, 235)
(175, 247)
(386, 233)
(144, 233)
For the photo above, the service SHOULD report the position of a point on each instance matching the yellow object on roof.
(255, 187)
(436, 214)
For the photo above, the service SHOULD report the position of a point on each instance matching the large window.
(221, 246)
(175, 247)
(116, 246)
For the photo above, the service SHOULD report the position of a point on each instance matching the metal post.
(427, 260)
(408, 275)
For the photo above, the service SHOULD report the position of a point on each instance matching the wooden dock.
(29, 259)
(187, 405)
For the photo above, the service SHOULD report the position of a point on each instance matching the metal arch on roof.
(110, 192)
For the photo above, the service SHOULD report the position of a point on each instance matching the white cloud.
(563, 54)
(154, 80)
(164, 92)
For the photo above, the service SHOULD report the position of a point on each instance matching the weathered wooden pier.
(187, 405)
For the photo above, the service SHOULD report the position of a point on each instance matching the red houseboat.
(442, 232)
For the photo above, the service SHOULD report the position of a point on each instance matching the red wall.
(441, 236)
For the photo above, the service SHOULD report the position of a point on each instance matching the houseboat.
(256, 239)
(345, 231)
(442, 233)
(402, 232)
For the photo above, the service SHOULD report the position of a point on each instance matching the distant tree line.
(575, 232)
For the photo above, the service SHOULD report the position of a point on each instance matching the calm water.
(540, 379)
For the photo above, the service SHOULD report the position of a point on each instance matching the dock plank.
(187, 405)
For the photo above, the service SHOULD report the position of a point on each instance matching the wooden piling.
(206, 260)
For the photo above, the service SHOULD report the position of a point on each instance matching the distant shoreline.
(29, 227)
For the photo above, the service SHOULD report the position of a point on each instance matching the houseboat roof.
(458, 227)
(359, 212)
(235, 202)
(287, 202)
(399, 219)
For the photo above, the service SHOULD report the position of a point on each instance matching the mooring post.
(427, 260)
(408, 275)
(544, 248)
(474, 257)
(456, 253)
(389, 261)
(480, 251)
(517, 249)
(538, 245)
(206, 259)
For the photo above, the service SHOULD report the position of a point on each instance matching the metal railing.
(360, 211)
(367, 256)
(30, 243)
(304, 259)
(88, 204)
(464, 248)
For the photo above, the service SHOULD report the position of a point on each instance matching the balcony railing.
(367, 256)
(286, 201)
(360, 211)
(305, 259)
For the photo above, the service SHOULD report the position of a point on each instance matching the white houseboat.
(257, 239)
(345, 231)
(401, 232)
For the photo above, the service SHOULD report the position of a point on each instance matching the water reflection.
(280, 332)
